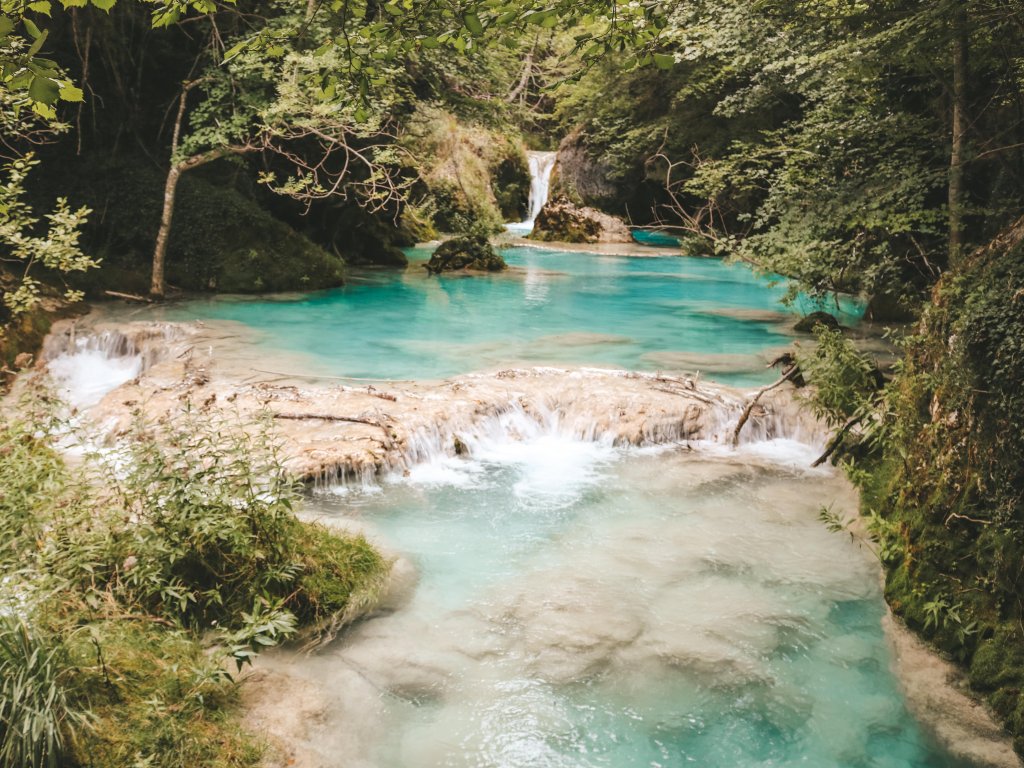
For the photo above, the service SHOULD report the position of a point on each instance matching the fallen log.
(129, 297)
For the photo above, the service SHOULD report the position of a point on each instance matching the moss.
(562, 221)
(156, 692)
(475, 177)
(367, 240)
(340, 573)
(220, 238)
(156, 698)
(510, 180)
(22, 337)
(947, 488)
(472, 252)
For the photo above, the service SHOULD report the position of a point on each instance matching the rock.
(469, 252)
(813, 320)
(563, 221)
(582, 177)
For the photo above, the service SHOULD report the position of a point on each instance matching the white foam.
(84, 377)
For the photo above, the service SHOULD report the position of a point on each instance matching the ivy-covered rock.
(471, 252)
(563, 221)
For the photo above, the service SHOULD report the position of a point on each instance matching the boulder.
(467, 252)
(811, 321)
(560, 220)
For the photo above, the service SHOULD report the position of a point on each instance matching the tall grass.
(36, 717)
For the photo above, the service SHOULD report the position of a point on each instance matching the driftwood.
(328, 417)
(129, 297)
(790, 373)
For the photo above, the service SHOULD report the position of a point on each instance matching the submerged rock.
(469, 252)
(813, 320)
(563, 221)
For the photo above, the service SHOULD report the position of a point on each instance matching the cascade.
(87, 365)
(541, 166)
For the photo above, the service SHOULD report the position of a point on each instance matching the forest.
(184, 160)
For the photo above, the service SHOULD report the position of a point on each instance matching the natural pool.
(554, 307)
(575, 604)
(582, 606)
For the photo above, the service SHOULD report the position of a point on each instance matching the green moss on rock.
(563, 221)
(472, 252)
(220, 239)
(947, 493)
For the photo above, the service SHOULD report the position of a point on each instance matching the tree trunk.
(957, 156)
(157, 288)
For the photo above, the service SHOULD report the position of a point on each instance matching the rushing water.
(665, 313)
(542, 164)
(574, 604)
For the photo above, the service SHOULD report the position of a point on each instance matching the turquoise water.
(655, 238)
(579, 607)
(666, 313)
(576, 605)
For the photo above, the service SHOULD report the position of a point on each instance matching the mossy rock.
(221, 239)
(510, 181)
(455, 212)
(810, 322)
(21, 337)
(563, 221)
(367, 240)
(471, 252)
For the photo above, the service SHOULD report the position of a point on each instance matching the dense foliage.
(125, 587)
(869, 147)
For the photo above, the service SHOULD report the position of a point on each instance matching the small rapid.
(587, 572)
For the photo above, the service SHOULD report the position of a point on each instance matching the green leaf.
(6, 26)
(44, 90)
(71, 93)
(472, 22)
(34, 48)
(664, 60)
(429, 42)
(105, 5)
(32, 29)
(393, 9)
(40, 6)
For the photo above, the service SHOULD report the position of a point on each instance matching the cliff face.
(949, 492)
(582, 178)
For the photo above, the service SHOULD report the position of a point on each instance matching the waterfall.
(541, 166)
